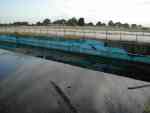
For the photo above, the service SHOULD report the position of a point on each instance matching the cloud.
(146, 2)
(132, 11)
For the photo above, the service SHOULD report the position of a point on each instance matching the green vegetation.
(80, 22)
(147, 108)
(60, 22)
(20, 23)
(72, 22)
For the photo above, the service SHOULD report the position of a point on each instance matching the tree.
(38, 23)
(81, 22)
(134, 26)
(103, 24)
(61, 22)
(111, 23)
(140, 26)
(72, 22)
(145, 28)
(99, 23)
(90, 24)
(46, 21)
(21, 23)
(126, 25)
(118, 24)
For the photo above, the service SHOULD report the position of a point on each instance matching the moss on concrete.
(147, 107)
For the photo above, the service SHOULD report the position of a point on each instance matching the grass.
(105, 28)
(64, 29)
(147, 108)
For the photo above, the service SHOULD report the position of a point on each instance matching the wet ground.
(35, 85)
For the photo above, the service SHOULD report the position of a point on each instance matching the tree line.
(79, 22)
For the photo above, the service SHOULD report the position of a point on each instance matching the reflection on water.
(123, 68)
(7, 67)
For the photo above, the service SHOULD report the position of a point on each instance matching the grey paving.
(33, 85)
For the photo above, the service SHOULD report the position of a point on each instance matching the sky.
(130, 11)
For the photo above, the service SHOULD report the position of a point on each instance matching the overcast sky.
(131, 11)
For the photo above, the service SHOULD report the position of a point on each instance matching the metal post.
(106, 35)
(136, 38)
(40, 30)
(95, 34)
(47, 31)
(5, 29)
(56, 33)
(120, 36)
(64, 29)
(83, 33)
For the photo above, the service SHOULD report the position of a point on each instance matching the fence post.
(83, 34)
(64, 30)
(40, 30)
(47, 30)
(136, 38)
(95, 34)
(120, 36)
(5, 29)
(106, 35)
